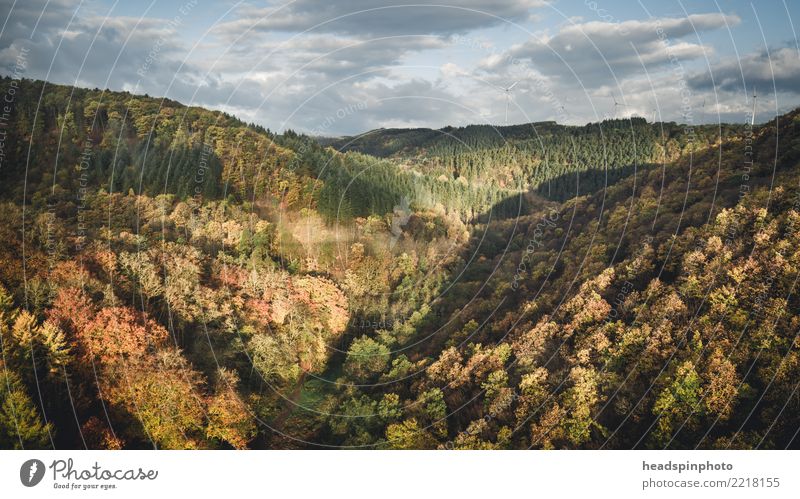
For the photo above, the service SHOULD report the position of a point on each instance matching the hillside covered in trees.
(559, 162)
(173, 277)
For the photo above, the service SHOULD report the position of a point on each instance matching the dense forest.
(559, 162)
(173, 277)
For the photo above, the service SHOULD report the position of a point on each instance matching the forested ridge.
(174, 277)
(558, 161)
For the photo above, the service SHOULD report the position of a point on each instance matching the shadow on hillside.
(488, 292)
(591, 181)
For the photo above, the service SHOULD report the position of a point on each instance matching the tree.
(409, 435)
(163, 394)
(117, 334)
(366, 358)
(580, 400)
(229, 417)
(434, 410)
(71, 310)
(678, 403)
(721, 385)
(271, 357)
(21, 425)
(143, 273)
(389, 408)
(98, 436)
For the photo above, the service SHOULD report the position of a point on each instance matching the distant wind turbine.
(507, 90)
(703, 112)
(616, 105)
(753, 118)
(563, 108)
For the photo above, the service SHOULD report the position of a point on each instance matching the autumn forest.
(172, 277)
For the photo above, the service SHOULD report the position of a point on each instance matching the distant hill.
(557, 161)
(122, 141)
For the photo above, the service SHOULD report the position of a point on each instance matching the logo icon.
(31, 472)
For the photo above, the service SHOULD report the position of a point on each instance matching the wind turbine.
(753, 118)
(616, 105)
(703, 112)
(563, 108)
(507, 90)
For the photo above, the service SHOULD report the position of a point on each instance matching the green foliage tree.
(366, 358)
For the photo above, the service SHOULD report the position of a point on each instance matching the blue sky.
(344, 67)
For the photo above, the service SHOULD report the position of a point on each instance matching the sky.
(333, 67)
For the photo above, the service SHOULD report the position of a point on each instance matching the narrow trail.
(290, 403)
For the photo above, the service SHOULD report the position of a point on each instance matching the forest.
(173, 277)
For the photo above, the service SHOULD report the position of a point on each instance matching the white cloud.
(380, 17)
(777, 69)
(596, 53)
